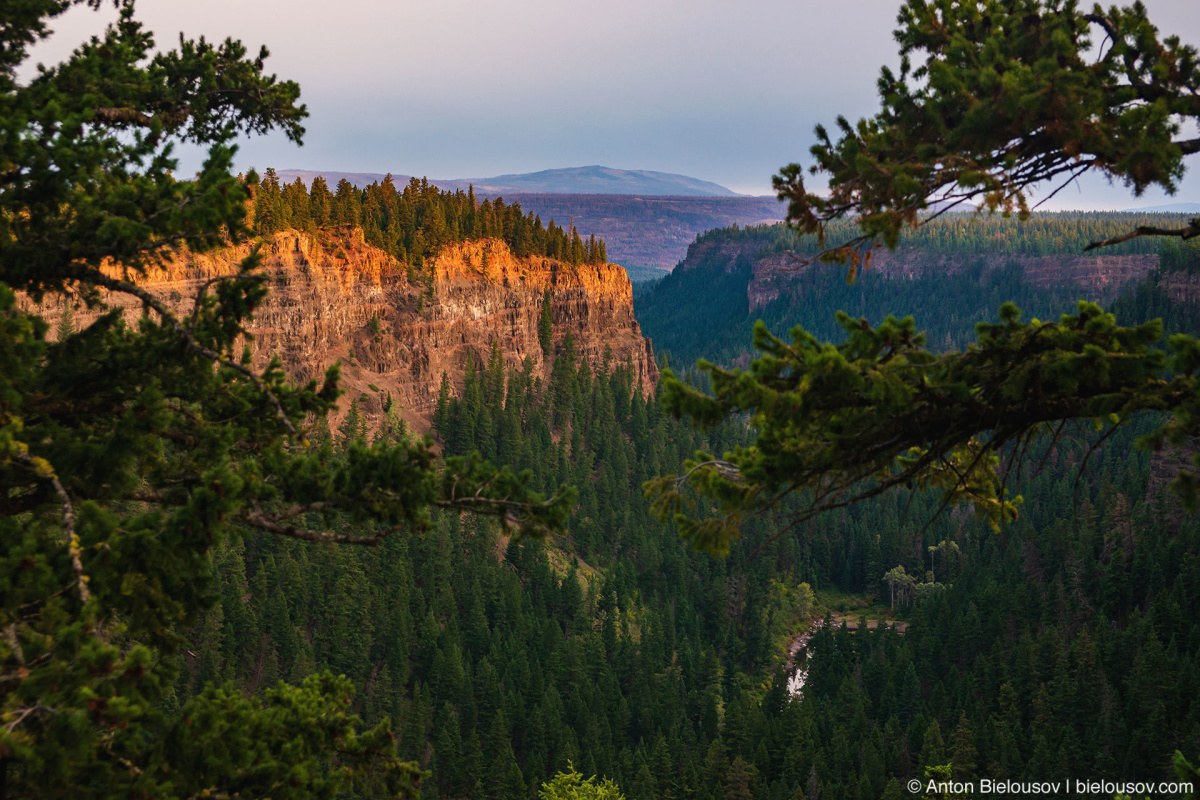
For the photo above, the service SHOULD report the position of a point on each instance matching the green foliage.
(1050, 618)
(703, 310)
(130, 454)
(353, 427)
(151, 615)
(842, 423)
(619, 649)
(966, 234)
(278, 745)
(1002, 100)
(414, 222)
(1181, 256)
(994, 97)
(900, 584)
(571, 785)
(66, 323)
(393, 428)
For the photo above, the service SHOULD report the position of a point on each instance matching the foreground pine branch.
(837, 424)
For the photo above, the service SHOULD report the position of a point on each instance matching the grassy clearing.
(852, 609)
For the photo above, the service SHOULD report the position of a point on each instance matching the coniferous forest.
(1063, 644)
(889, 551)
(412, 223)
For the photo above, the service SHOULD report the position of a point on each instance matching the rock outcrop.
(1182, 287)
(1099, 276)
(334, 297)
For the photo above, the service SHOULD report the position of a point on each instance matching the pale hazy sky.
(722, 91)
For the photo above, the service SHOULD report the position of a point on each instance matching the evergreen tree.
(353, 427)
(66, 323)
(320, 203)
(570, 785)
(117, 501)
(1040, 124)
(975, 148)
(964, 753)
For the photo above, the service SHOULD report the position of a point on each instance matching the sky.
(475, 88)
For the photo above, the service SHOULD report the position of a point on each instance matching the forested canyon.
(372, 487)
(835, 661)
(616, 648)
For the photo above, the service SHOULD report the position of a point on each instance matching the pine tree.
(949, 129)
(320, 202)
(394, 428)
(493, 379)
(118, 500)
(963, 752)
(740, 780)
(347, 204)
(441, 412)
(570, 785)
(991, 142)
(66, 323)
(353, 427)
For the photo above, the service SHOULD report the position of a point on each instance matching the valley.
(592, 483)
(620, 649)
(835, 660)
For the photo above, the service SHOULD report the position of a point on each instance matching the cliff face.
(727, 252)
(1182, 287)
(1099, 276)
(483, 293)
(327, 288)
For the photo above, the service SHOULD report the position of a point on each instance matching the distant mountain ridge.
(601, 180)
(571, 180)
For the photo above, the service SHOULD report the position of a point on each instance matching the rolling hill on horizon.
(593, 179)
(600, 180)
(1169, 208)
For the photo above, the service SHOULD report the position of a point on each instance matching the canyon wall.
(1100, 277)
(1182, 287)
(335, 297)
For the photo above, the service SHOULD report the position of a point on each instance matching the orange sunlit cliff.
(335, 297)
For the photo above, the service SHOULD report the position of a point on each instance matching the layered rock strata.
(1099, 277)
(333, 297)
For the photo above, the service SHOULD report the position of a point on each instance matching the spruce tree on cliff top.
(993, 98)
(128, 452)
